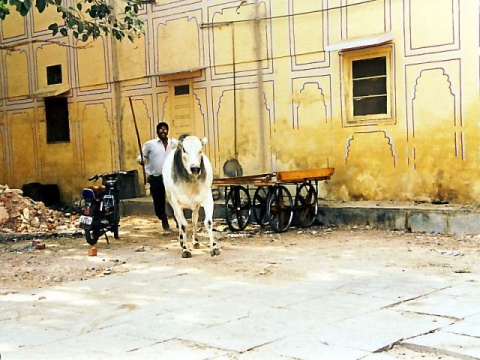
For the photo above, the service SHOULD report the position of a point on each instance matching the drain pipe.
(119, 161)
(234, 95)
(260, 122)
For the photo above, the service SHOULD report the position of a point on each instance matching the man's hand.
(141, 159)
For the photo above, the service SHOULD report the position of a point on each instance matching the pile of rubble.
(22, 215)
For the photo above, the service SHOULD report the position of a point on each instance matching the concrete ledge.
(424, 217)
(144, 207)
(380, 218)
(416, 217)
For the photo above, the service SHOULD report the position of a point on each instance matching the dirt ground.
(260, 255)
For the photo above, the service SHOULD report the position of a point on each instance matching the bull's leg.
(182, 231)
(195, 243)
(208, 207)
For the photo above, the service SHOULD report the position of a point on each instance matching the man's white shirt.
(154, 154)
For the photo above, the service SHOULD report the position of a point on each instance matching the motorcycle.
(99, 208)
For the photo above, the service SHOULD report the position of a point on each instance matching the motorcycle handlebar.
(95, 177)
(98, 176)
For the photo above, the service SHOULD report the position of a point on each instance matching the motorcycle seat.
(98, 189)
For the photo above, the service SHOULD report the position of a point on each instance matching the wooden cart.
(272, 202)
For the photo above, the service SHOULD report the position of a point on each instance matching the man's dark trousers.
(157, 190)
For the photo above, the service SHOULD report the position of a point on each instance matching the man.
(154, 153)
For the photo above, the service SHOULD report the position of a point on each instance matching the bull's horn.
(204, 141)
(182, 137)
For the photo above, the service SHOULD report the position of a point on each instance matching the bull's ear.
(204, 141)
(176, 143)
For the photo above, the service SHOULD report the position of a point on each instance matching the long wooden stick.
(138, 140)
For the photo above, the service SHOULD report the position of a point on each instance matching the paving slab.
(438, 303)
(451, 344)
(302, 346)
(468, 328)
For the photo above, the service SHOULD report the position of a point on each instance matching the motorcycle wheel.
(91, 236)
(115, 231)
(116, 220)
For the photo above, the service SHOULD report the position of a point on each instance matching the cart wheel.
(306, 205)
(238, 208)
(280, 208)
(260, 205)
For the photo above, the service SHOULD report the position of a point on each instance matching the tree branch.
(13, 47)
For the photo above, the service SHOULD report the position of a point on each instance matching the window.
(367, 86)
(54, 74)
(369, 80)
(182, 90)
(56, 111)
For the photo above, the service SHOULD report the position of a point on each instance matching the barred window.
(367, 86)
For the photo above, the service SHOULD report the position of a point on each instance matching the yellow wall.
(272, 94)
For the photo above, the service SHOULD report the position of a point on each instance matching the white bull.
(188, 176)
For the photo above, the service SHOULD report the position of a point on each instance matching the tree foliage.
(88, 19)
